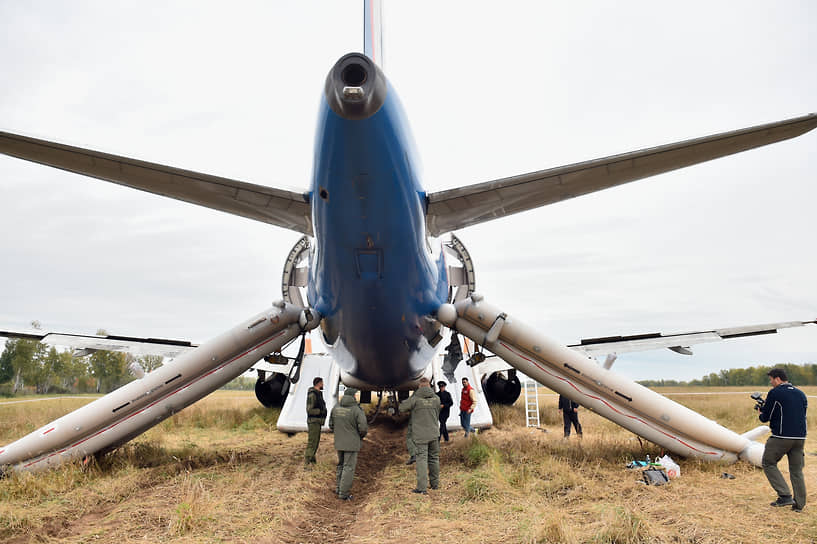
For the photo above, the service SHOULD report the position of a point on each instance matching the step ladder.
(532, 402)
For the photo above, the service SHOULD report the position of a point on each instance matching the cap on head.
(351, 391)
(441, 384)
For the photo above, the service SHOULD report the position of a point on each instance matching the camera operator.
(785, 410)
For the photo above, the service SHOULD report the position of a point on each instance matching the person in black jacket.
(570, 415)
(446, 402)
(785, 410)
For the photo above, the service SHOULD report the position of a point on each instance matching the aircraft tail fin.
(373, 31)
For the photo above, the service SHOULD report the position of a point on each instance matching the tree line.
(29, 366)
(805, 374)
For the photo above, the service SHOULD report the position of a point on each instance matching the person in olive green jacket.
(424, 406)
(315, 416)
(412, 449)
(348, 422)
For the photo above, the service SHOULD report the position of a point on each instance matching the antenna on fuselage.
(373, 31)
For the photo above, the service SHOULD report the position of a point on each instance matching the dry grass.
(220, 472)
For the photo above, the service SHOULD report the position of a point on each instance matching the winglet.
(373, 31)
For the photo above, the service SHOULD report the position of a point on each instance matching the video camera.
(758, 398)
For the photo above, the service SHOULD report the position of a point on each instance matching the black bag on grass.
(654, 476)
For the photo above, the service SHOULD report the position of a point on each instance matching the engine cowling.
(501, 387)
(272, 392)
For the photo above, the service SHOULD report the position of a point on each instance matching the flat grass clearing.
(220, 472)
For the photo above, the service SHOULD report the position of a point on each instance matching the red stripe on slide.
(610, 406)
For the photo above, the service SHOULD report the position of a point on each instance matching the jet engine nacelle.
(272, 392)
(501, 387)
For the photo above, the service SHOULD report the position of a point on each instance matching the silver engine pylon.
(570, 373)
(133, 408)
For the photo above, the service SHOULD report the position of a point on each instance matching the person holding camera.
(785, 410)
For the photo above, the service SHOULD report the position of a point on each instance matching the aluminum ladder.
(531, 402)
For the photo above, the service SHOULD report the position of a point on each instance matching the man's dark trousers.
(571, 418)
(312, 442)
(776, 448)
(428, 464)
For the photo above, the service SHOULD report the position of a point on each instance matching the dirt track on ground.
(330, 520)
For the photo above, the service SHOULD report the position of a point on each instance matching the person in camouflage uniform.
(424, 406)
(412, 449)
(348, 422)
(315, 416)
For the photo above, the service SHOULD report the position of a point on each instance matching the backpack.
(654, 476)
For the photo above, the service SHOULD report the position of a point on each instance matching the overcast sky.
(491, 90)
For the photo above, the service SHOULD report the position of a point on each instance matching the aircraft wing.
(678, 343)
(274, 206)
(85, 344)
(457, 208)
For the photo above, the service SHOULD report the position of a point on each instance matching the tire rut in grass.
(330, 520)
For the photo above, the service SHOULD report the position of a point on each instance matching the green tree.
(72, 372)
(25, 359)
(151, 362)
(6, 368)
(43, 369)
(110, 370)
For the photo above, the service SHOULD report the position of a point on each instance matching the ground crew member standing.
(410, 446)
(315, 416)
(468, 401)
(348, 422)
(446, 402)
(570, 415)
(424, 406)
(785, 410)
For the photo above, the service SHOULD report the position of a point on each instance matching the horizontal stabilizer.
(458, 208)
(274, 206)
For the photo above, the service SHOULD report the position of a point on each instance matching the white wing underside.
(278, 207)
(594, 347)
(84, 344)
(447, 210)
(676, 342)
(465, 206)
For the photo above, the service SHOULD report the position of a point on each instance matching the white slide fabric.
(570, 373)
(133, 408)
(292, 418)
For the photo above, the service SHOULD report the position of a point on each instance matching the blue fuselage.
(373, 278)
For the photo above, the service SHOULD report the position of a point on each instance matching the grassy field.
(220, 472)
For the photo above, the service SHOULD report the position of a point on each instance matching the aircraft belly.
(384, 335)
(373, 278)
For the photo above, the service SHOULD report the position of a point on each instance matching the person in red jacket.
(468, 401)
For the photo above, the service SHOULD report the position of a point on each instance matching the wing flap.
(90, 343)
(458, 208)
(646, 342)
(278, 207)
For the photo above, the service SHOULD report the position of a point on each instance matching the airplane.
(377, 277)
